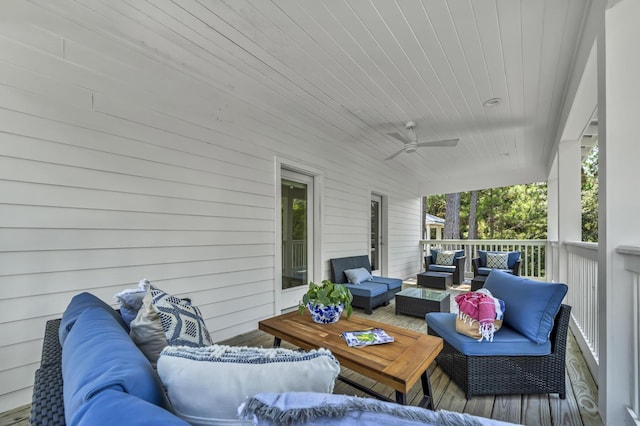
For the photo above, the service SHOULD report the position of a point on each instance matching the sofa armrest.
(516, 268)
(428, 260)
(475, 262)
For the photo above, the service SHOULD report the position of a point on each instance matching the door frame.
(315, 251)
(384, 230)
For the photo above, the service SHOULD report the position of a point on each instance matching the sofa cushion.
(113, 407)
(531, 305)
(79, 303)
(391, 283)
(506, 341)
(207, 385)
(309, 408)
(512, 257)
(130, 300)
(367, 289)
(446, 258)
(147, 332)
(115, 362)
(357, 275)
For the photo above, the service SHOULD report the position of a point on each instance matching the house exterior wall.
(117, 166)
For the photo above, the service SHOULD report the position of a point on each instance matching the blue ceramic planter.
(325, 314)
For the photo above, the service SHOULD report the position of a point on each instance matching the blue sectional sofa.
(369, 294)
(92, 374)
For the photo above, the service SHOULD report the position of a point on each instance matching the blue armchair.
(448, 261)
(507, 261)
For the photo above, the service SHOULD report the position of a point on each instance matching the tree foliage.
(589, 206)
(514, 212)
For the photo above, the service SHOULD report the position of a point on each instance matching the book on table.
(374, 336)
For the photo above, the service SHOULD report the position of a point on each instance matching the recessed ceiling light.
(491, 102)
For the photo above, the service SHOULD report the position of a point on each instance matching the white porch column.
(619, 180)
(551, 266)
(569, 216)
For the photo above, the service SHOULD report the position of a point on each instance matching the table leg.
(401, 398)
(427, 400)
(276, 342)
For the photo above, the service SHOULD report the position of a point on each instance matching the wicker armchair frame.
(501, 375)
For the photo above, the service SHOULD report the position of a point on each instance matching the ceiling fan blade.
(394, 155)
(398, 136)
(444, 142)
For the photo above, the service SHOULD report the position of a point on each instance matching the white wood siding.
(117, 164)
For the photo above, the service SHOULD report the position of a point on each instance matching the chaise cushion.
(506, 342)
(531, 305)
(391, 283)
(367, 289)
(207, 385)
(115, 363)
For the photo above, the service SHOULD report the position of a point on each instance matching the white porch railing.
(631, 256)
(582, 278)
(532, 253)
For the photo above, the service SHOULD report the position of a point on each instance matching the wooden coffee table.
(398, 365)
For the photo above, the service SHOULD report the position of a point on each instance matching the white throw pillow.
(207, 385)
(358, 275)
(445, 258)
(497, 260)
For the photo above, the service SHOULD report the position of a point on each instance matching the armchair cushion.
(512, 257)
(445, 257)
(531, 305)
(497, 260)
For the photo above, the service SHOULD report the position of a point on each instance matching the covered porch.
(150, 140)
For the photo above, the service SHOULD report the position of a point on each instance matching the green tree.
(589, 199)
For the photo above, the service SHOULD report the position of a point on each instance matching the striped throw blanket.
(480, 306)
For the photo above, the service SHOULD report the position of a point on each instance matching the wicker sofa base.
(502, 375)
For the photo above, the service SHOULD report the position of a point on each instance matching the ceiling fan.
(411, 143)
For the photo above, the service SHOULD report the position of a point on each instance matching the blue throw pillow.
(531, 305)
(358, 275)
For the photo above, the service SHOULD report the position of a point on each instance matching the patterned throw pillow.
(497, 260)
(182, 322)
(445, 258)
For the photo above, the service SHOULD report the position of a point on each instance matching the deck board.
(579, 408)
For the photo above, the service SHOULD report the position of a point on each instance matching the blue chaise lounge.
(369, 293)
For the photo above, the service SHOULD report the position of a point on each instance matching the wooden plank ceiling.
(355, 70)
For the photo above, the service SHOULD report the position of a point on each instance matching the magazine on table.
(373, 336)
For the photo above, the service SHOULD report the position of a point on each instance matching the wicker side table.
(419, 301)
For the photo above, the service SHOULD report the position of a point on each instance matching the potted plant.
(326, 302)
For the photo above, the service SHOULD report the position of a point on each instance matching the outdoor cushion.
(391, 283)
(79, 303)
(512, 257)
(456, 254)
(531, 305)
(367, 289)
(207, 385)
(315, 409)
(442, 268)
(506, 341)
(357, 275)
(115, 363)
(113, 407)
(486, 271)
(497, 260)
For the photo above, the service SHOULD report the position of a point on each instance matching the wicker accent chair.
(456, 268)
(480, 267)
(498, 375)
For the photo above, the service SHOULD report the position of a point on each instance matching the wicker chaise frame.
(501, 375)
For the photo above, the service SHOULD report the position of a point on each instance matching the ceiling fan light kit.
(411, 143)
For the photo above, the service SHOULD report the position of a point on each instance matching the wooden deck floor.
(579, 408)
